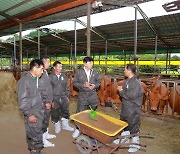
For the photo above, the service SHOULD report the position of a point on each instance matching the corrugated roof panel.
(27, 6)
(1, 17)
(7, 4)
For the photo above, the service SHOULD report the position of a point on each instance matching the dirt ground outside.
(13, 140)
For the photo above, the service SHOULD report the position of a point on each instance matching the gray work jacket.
(60, 86)
(46, 88)
(80, 78)
(132, 96)
(29, 97)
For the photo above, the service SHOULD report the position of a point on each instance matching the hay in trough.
(8, 95)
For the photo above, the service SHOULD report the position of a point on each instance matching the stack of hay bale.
(8, 95)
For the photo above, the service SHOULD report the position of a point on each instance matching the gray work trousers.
(85, 99)
(46, 120)
(34, 134)
(132, 117)
(61, 110)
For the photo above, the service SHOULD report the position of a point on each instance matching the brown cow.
(104, 89)
(144, 87)
(73, 90)
(17, 75)
(158, 96)
(177, 99)
(145, 95)
(113, 92)
(109, 93)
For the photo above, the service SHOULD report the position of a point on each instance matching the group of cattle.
(156, 96)
(156, 93)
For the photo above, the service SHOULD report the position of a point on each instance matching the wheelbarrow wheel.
(84, 144)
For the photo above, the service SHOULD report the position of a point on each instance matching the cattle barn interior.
(127, 40)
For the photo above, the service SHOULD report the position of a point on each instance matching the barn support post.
(93, 58)
(106, 56)
(50, 59)
(71, 57)
(88, 33)
(20, 46)
(14, 55)
(124, 58)
(174, 97)
(27, 56)
(135, 36)
(38, 31)
(75, 45)
(46, 51)
(167, 101)
(166, 61)
(12, 60)
(69, 64)
(155, 56)
(169, 63)
(1, 61)
(99, 59)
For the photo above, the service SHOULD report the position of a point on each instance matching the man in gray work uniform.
(87, 80)
(132, 97)
(47, 97)
(60, 105)
(31, 104)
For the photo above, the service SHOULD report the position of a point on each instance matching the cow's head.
(154, 100)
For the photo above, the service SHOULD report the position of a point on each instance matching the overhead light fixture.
(97, 5)
(45, 30)
(172, 6)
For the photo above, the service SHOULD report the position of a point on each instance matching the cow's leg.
(162, 104)
(143, 107)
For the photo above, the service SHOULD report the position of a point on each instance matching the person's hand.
(67, 100)
(32, 119)
(119, 88)
(92, 86)
(53, 105)
(48, 106)
(86, 84)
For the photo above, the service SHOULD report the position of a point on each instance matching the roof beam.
(53, 33)
(148, 21)
(48, 12)
(28, 39)
(85, 25)
(123, 2)
(2, 46)
(150, 24)
(60, 38)
(7, 42)
(9, 17)
(56, 9)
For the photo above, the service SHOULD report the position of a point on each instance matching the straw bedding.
(8, 95)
